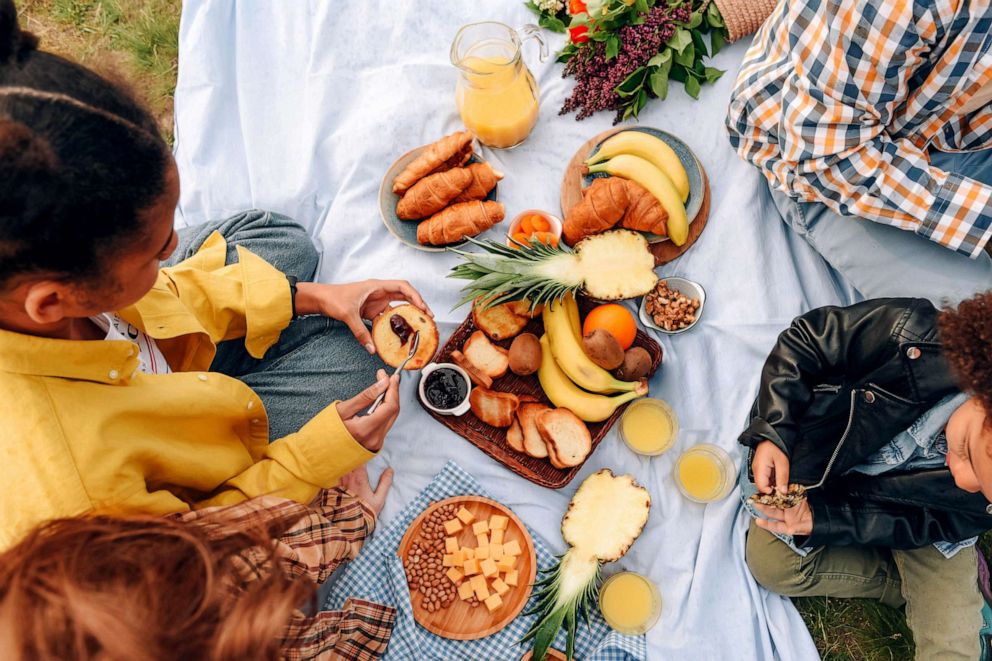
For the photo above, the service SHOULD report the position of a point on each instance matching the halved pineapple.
(606, 514)
(611, 266)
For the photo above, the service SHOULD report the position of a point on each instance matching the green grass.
(131, 40)
(137, 39)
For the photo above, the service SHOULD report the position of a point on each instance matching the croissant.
(645, 212)
(484, 179)
(433, 193)
(451, 151)
(603, 205)
(458, 221)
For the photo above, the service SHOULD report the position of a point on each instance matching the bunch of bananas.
(650, 162)
(569, 377)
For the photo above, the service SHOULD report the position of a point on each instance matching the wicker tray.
(492, 440)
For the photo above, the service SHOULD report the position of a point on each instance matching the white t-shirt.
(150, 358)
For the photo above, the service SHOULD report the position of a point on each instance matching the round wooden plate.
(461, 621)
(571, 194)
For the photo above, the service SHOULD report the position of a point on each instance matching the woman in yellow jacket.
(126, 387)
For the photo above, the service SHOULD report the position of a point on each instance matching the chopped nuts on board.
(670, 309)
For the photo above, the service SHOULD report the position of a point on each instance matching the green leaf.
(579, 19)
(686, 57)
(713, 16)
(612, 47)
(712, 74)
(661, 59)
(641, 101)
(659, 84)
(641, 6)
(632, 83)
(680, 39)
(696, 20)
(552, 23)
(716, 41)
(700, 44)
(679, 73)
(692, 87)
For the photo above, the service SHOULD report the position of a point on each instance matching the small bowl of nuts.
(673, 306)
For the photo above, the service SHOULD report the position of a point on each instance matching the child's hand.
(796, 520)
(370, 430)
(770, 467)
(357, 482)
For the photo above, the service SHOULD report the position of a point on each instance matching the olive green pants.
(943, 603)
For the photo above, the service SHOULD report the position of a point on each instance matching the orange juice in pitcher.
(496, 93)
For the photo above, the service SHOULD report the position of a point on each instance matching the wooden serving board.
(492, 440)
(461, 621)
(571, 194)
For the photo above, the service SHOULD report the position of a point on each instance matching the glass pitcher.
(496, 93)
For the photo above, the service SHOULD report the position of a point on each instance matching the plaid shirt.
(329, 532)
(837, 101)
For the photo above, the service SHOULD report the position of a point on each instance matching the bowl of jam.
(444, 388)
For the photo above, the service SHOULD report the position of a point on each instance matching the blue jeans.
(316, 360)
(881, 260)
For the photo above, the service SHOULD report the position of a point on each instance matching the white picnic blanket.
(300, 107)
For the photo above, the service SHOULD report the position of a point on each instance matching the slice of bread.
(515, 436)
(392, 349)
(491, 360)
(568, 439)
(478, 377)
(500, 322)
(534, 445)
(492, 407)
(523, 309)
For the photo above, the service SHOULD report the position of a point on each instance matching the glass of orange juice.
(496, 93)
(705, 473)
(649, 426)
(630, 603)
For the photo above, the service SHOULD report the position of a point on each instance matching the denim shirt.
(923, 445)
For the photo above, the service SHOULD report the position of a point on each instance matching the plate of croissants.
(435, 196)
(639, 178)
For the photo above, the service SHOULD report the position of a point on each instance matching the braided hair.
(80, 160)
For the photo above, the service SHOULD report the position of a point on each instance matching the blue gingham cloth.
(377, 575)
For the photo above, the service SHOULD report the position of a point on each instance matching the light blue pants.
(882, 261)
(316, 360)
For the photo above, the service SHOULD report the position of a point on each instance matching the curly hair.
(144, 587)
(966, 336)
(80, 162)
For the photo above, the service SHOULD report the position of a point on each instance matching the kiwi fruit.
(525, 354)
(636, 364)
(603, 349)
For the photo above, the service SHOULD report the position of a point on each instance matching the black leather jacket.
(841, 383)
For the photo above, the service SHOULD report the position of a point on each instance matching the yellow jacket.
(85, 431)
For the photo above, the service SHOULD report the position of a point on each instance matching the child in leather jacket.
(880, 410)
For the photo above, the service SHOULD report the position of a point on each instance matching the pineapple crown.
(501, 274)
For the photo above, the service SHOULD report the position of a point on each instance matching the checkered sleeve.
(813, 103)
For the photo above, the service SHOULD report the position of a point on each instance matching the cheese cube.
(482, 540)
(493, 602)
(471, 567)
(496, 536)
(512, 577)
(465, 591)
(450, 545)
(488, 568)
(511, 548)
(468, 553)
(496, 552)
(498, 522)
(506, 564)
(482, 553)
(500, 588)
(480, 528)
(452, 526)
(454, 575)
(459, 556)
(480, 587)
(448, 560)
(465, 516)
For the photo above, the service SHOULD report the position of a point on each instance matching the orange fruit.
(546, 237)
(614, 319)
(522, 238)
(540, 223)
(526, 225)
